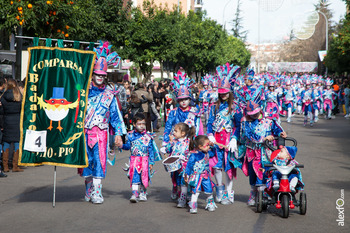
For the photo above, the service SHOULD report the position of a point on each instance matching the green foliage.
(338, 56)
(38, 18)
(153, 33)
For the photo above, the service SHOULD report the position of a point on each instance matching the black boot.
(2, 174)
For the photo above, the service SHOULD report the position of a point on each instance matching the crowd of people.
(240, 113)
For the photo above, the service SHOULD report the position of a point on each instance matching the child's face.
(205, 147)
(178, 133)
(140, 126)
(284, 154)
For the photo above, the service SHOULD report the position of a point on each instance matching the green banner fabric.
(54, 106)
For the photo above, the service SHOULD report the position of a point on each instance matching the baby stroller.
(283, 197)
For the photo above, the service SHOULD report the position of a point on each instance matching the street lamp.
(325, 17)
(223, 14)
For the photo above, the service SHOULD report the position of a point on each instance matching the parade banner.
(280, 67)
(54, 106)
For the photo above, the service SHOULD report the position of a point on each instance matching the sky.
(277, 17)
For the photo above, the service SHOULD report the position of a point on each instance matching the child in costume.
(143, 155)
(328, 96)
(307, 99)
(285, 157)
(184, 113)
(224, 119)
(197, 173)
(288, 100)
(204, 96)
(256, 129)
(179, 148)
(272, 108)
(316, 104)
(102, 112)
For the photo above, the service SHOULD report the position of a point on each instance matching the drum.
(171, 164)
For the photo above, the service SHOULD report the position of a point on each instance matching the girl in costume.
(197, 173)
(184, 113)
(204, 96)
(179, 148)
(143, 155)
(255, 129)
(224, 119)
(272, 108)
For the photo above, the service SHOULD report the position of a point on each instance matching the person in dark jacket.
(2, 88)
(11, 103)
(135, 105)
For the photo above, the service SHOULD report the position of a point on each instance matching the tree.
(38, 18)
(338, 56)
(237, 24)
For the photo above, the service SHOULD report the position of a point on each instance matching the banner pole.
(70, 41)
(54, 189)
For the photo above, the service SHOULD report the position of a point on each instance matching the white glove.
(212, 139)
(232, 146)
(162, 150)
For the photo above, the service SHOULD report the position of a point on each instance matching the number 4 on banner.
(35, 141)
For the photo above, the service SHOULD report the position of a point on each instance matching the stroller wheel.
(285, 206)
(259, 201)
(302, 206)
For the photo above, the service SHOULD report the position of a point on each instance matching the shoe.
(288, 120)
(210, 205)
(193, 207)
(219, 192)
(5, 160)
(174, 194)
(347, 115)
(134, 197)
(182, 201)
(251, 200)
(292, 189)
(15, 167)
(88, 190)
(143, 196)
(96, 195)
(225, 199)
(2, 175)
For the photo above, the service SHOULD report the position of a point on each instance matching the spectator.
(11, 102)
(141, 91)
(154, 107)
(135, 105)
(2, 87)
(347, 100)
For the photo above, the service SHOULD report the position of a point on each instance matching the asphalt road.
(26, 198)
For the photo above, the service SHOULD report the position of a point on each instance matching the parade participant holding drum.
(184, 113)
(178, 149)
